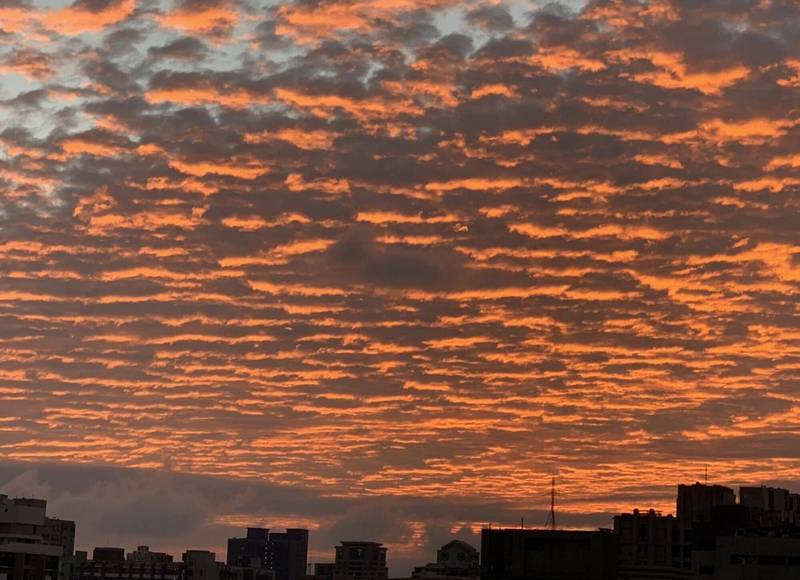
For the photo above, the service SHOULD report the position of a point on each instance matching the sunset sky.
(381, 268)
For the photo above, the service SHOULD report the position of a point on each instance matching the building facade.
(110, 563)
(651, 546)
(520, 554)
(23, 553)
(750, 557)
(201, 565)
(284, 553)
(360, 561)
(456, 560)
(771, 506)
(58, 532)
(696, 502)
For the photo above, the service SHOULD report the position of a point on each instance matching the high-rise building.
(23, 553)
(360, 561)
(696, 502)
(285, 553)
(250, 551)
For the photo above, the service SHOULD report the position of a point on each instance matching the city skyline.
(386, 267)
(401, 561)
(712, 526)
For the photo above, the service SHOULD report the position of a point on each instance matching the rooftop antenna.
(551, 517)
(706, 473)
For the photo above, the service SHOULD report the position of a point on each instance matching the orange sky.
(396, 252)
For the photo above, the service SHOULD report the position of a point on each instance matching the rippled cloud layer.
(397, 248)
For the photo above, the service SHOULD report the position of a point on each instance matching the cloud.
(383, 253)
(174, 512)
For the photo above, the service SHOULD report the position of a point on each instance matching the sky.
(382, 268)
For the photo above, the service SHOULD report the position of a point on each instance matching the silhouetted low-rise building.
(360, 561)
(106, 554)
(456, 560)
(246, 573)
(201, 565)
(770, 507)
(519, 554)
(143, 555)
(321, 571)
(750, 557)
(651, 546)
(109, 563)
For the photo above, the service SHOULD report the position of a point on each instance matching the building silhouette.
(284, 553)
(24, 553)
(526, 554)
(321, 571)
(771, 506)
(715, 534)
(697, 502)
(58, 532)
(651, 545)
(143, 555)
(106, 554)
(360, 561)
(287, 554)
(456, 560)
(111, 563)
(750, 557)
(201, 565)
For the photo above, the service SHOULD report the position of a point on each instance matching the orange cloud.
(296, 182)
(76, 20)
(673, 73)
(225, 96)
(203, 21)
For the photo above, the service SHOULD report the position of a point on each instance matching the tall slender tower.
(551, 517)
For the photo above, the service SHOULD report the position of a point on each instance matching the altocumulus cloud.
(363, 256)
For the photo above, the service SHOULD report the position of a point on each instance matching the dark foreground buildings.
(456, 560)
(360, 561)
(33, 546)
(518, 554)
(714, 536)
(284, 553)
(108, 563)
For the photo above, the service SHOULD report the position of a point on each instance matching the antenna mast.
(551, 517)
